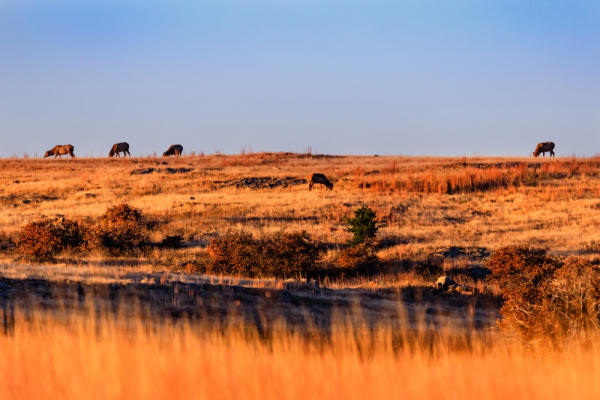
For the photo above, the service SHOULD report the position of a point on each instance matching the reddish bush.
(40, 241)
(122, 213)
(125, 237)
(546, 299)
(121, 232)
(281, 255)
(358, 257)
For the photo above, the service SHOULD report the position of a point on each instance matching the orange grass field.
(425, 206)
(86, 359)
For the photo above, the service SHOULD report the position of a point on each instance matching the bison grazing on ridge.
(543, 148)
(174, 150)
(60, 150)
(319, 178)
(119, 148)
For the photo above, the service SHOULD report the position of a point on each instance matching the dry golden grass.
(423, 203)
(95, 358)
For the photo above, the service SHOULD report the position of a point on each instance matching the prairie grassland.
(423, 203)
(405, 346)
(98, 358)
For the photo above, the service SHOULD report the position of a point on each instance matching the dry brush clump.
(42, 240)
(121, 231)
(281, 255)
(546, 299)
(39, 241)
(122, 213)
(360, 258)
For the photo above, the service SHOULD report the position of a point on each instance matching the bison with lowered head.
(319, 178)
(174, 150)
(543, 148)
(119, 148)
(60, 150)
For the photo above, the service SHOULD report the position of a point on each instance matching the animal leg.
(310, 185)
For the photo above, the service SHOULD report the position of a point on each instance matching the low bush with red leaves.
(281, 255)
(546, 299)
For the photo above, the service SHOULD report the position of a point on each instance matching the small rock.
(192, 198)
(26, 201)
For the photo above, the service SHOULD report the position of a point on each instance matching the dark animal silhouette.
(543, 148)
(174, 150)
(119, 148)
(60, 150)
(319, 178)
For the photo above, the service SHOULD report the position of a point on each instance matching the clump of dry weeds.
(280, 255)
(546, 299)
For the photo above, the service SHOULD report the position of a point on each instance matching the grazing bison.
(174, 150)
(319, 178)
(60, 150)
(543, 148)
(119, 148)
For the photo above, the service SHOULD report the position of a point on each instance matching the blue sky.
(344, 77)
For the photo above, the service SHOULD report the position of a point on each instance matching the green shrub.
(363, 226)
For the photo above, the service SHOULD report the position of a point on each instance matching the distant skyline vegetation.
(343, 77)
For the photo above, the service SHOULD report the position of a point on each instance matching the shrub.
(574, 299)
(122, 213)
(359, 257)
(172, 241)
(281, 255)
(71, 234)
(40, 241)
(123, 237)
(363, 226)
(288, 254)
(122, 231)
(545, 299)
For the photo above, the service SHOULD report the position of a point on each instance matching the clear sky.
(416, 77)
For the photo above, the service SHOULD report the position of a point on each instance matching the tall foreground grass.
(98, 358)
